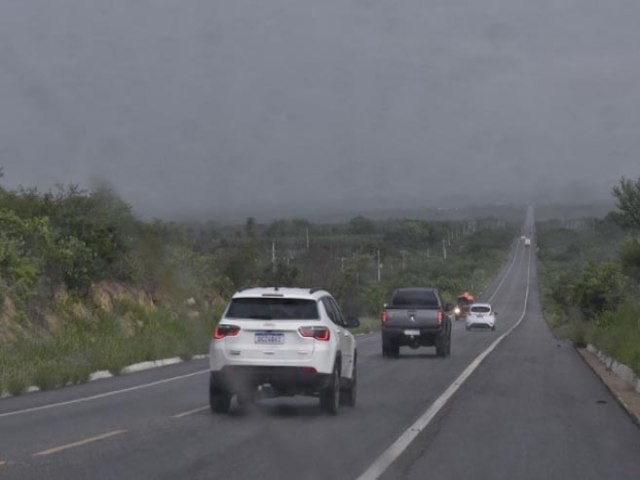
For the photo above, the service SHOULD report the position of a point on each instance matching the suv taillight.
(222, 331)
(319, 333)
(440, 317)
(384, 316)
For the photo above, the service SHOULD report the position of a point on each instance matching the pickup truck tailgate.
(412, 318)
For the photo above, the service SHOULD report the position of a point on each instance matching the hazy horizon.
(226, 109)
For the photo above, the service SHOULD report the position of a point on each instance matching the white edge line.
(100, 395)
(133, 368)
(391, 454)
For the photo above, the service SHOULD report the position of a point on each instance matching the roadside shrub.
(600, 288)
(617, 333)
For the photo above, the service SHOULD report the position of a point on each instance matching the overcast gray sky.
(208, 106)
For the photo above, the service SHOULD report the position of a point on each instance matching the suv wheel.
(349, 395)
(219, 399)
(330, 395)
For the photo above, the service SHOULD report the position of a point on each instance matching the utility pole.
(273, 253)
(379, 267)
(342, 264)
(307, 239)
(444, 249)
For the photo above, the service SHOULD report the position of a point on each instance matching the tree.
(361, 225)
(601, 287)
(627, 194)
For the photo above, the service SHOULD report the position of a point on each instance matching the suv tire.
(219, 399)
(349, 395)
(330, 395)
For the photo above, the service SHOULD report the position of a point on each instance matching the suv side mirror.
(353, 322)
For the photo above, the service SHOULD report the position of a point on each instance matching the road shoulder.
(624, 393)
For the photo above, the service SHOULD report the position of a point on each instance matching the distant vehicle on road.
(481, 315)
(415, 317)
(462, 305)
(527, 242)
(283, 342)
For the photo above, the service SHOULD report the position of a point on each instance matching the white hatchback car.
(283, 342)
(481, 315)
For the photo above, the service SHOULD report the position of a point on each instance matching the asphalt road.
(532, 409)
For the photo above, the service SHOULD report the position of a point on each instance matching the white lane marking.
(391, 454)
(506, 274)
(191, 412)
(101, 395)
(79, 443)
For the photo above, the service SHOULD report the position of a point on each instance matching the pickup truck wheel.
(391, 351)
(443, 346)
(349, 395)
(330, 395)
(219, 399)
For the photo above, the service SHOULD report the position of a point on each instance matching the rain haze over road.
(198, 107)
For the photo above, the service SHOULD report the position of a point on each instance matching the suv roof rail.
(315, 289)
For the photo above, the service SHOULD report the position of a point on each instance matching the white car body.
(285, 339)
(481, 315)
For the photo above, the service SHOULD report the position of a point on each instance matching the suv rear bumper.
(282, 380)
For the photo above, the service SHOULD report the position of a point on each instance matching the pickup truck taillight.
(319, 333)
(383, 316)
(222, 331)
(440, 317)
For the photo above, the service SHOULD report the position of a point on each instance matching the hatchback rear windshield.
(273, 309)
(480, 309)
(415, 298)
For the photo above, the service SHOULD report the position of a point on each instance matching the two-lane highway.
(526, 405)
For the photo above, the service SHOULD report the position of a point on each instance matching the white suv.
(283, 342)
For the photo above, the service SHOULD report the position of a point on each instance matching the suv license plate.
(269, 338)
(412, 333)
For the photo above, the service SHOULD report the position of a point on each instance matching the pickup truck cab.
(415, 317)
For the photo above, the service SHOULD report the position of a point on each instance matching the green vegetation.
(87, 286)
(590, 272)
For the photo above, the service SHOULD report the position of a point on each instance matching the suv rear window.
(415, 298)
(480, 309)
(273, 309)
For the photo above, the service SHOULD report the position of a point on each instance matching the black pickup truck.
(415, 317)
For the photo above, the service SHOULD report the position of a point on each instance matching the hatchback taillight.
(440, 316)
(384, 316)
(319, 333)
(222, 331)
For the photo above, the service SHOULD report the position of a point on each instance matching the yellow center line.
(190, 412)
(2, 463)
(79, 443)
